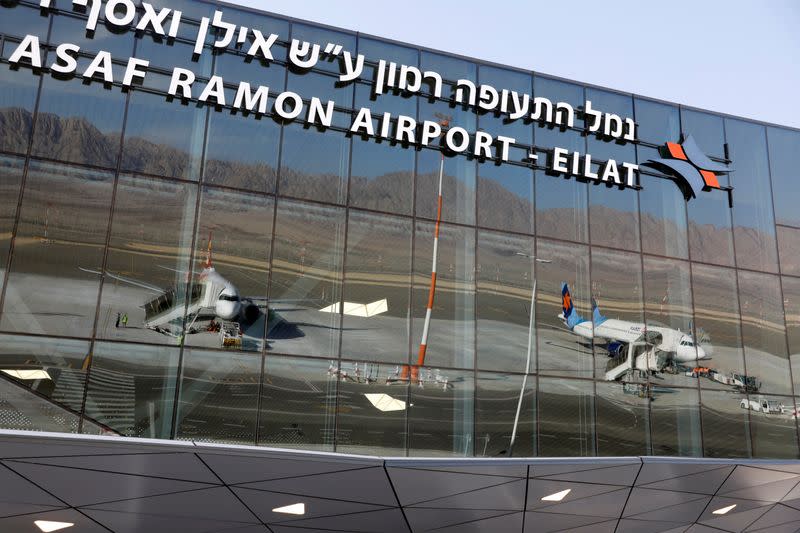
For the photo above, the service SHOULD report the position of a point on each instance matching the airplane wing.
(135, 283)
(263, 301)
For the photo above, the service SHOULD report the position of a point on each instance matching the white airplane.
(640, 342)
(214, 296)
(211, 295)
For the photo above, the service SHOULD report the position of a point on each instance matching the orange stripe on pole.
(432, 290)
(421, 356)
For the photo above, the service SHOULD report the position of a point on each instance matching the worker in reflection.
(125, 320)
(116, 324)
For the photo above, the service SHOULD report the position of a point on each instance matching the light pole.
(530, 350)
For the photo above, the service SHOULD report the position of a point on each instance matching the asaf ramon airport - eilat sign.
(684, 162)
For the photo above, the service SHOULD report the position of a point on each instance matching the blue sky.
(734, 56)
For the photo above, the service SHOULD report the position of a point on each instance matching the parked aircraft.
(211, 296)
(640, 346)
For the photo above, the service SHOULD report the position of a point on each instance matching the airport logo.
(693, 170)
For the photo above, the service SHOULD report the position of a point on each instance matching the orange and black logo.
(693, 170)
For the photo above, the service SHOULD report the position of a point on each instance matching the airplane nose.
(701, 353)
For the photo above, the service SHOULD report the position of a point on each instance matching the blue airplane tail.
(597, 316)
(571, 317)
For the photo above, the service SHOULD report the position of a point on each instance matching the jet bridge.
(641, 355)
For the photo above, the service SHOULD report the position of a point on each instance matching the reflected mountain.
(75, 138)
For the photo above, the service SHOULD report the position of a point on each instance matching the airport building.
(408, 278)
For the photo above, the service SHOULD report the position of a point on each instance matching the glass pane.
(144, 292)
(20, 19)
(71, 28)
(764, 333)
(772, 426)
(613, 213)
(450, 68)
(323, 86)
(791, 303)
(79, 122)
(710, 235)
(623, 421)
(382, 176)
(163, 138)
(55, 369)
(505, 197)
(707, 130)
(372, 412)
(675, 422)
(10, 183)
(377, 288)
(458, 187)
(716, 315)
(375, 50)
(321, 36)
(232, 248)
(789, 249)
(784, 160)
(656, 122)
(441, 414)
(725, 425)
(498, 124)
(306, 280)
(566, 418)
(132, 388)
(396, 104)
(617, 291)
(441, 110)
(753, 223)
(192, 11)
(234, 65)
(505, 272)
(166, 54)
(451, 335)
(562, 352)
(60, 239)
(298, 404)
(561, 202)
(668, 312)
(614, 216)
(663, 214)
(496, 400)
(218, 397)
(17, 101)
(314, 164)
(242, 151)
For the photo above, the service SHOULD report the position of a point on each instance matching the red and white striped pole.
(423, 345)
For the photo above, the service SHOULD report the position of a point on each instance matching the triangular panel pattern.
(411, 490)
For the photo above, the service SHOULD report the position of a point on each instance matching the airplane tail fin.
(597, 316)
(568, 313)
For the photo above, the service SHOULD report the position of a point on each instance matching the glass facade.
(181, 270)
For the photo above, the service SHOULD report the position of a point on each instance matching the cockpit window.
(228, 298)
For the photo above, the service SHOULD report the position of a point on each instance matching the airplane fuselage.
(679, 344)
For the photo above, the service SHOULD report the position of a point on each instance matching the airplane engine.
(616, 349)
(250, 311)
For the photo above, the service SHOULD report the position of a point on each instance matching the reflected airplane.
(214, 296)
(211, 295)
(632, 339)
